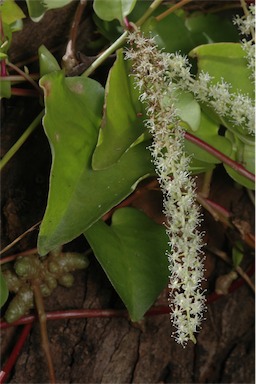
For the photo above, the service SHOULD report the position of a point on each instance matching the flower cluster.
(238, 108)
(151, 71)
(246, 26)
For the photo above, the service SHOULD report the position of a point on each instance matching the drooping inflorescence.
(151, 71)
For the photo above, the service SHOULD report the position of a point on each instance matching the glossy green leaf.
(78, 195)
(188, 109)
(227, 61)
(10, 12)
(123, 116)
(172, 25)
(202, 28)
(47, 61)
(208, 131)
(113, 29)
(132, 253)
(114, 9)
(189, 32)
(3, 290)
(37, 8)
(243, 153)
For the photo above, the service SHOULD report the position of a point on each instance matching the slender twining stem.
(219, 155)
(227, 260)
(8, 366)
(172, 9)
(216, 214)
(43, 328)
(9, 246)
(9, 258)
(18, 78)
(3, 71)
(121, 40)
(26, 76)
(110, 313)
(117, 44)
(69, 59)
(149, 12)
(205, 190)
(21, 140)
(74, 28)
(24, 92)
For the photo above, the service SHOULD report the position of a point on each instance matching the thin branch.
(8, 366)
(219, 155)
(205, 190)
(24, 92)
(9, 246)
(3, 71)
(43, 328)
(18, 78)
(26, 76)
(227, 260)
(109, 313)
(120, 41)
(69, 59)
(21, 140)
(10, 258)
(215, 210)
(117, 44)
(172, 9)
(149, 12)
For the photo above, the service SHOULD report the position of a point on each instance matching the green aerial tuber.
(50, 271)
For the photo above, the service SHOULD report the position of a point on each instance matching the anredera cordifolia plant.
(106, 156)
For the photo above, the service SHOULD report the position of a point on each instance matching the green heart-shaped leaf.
(132, 253)
(78, 195)
(227, 61)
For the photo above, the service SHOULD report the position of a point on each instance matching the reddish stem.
(3, 71)
(107, 313)
(10, 258)
(24, 92)
(15, 353)
(223, 211)
(219, 155)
